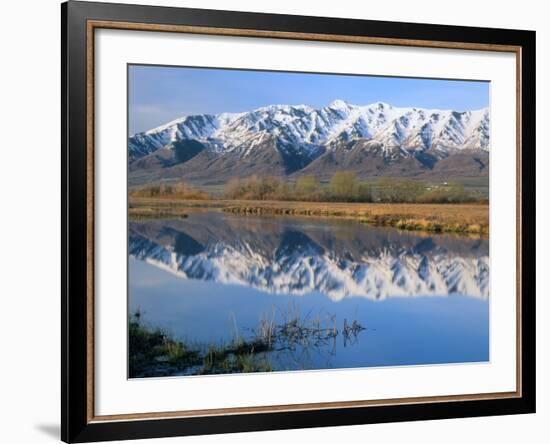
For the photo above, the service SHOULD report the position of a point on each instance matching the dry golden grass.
(179, 190)
(155, 211)
(460, 218)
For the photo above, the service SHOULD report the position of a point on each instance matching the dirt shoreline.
(448, 218)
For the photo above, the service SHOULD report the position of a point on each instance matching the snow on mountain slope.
(303, 130)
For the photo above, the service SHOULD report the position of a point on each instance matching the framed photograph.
(275, 221)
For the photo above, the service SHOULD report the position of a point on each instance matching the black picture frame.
(76, 424)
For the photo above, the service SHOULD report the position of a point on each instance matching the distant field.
(459, 218)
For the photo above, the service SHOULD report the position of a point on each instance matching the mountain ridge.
(295, 136)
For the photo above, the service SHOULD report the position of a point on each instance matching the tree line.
(344, 186)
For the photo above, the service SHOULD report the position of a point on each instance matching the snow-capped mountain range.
(289, 261)
(311, 128)
(295, 136)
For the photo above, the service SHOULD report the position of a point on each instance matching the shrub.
(400, 190)
(179, 190)
(342, 185)
(253, 187)
(364, 192)
(308, 188)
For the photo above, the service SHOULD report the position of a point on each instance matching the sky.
(159, 94)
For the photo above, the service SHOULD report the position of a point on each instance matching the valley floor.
(455, 218)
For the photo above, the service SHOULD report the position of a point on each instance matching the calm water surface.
(413, 299)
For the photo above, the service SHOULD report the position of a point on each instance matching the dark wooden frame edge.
(77, 425)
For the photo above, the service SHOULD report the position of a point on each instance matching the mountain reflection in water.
(295, 256)
(246, 293)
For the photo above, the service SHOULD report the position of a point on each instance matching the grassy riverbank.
(453, 218)
(156, 352)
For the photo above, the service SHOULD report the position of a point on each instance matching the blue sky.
(160, 94)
